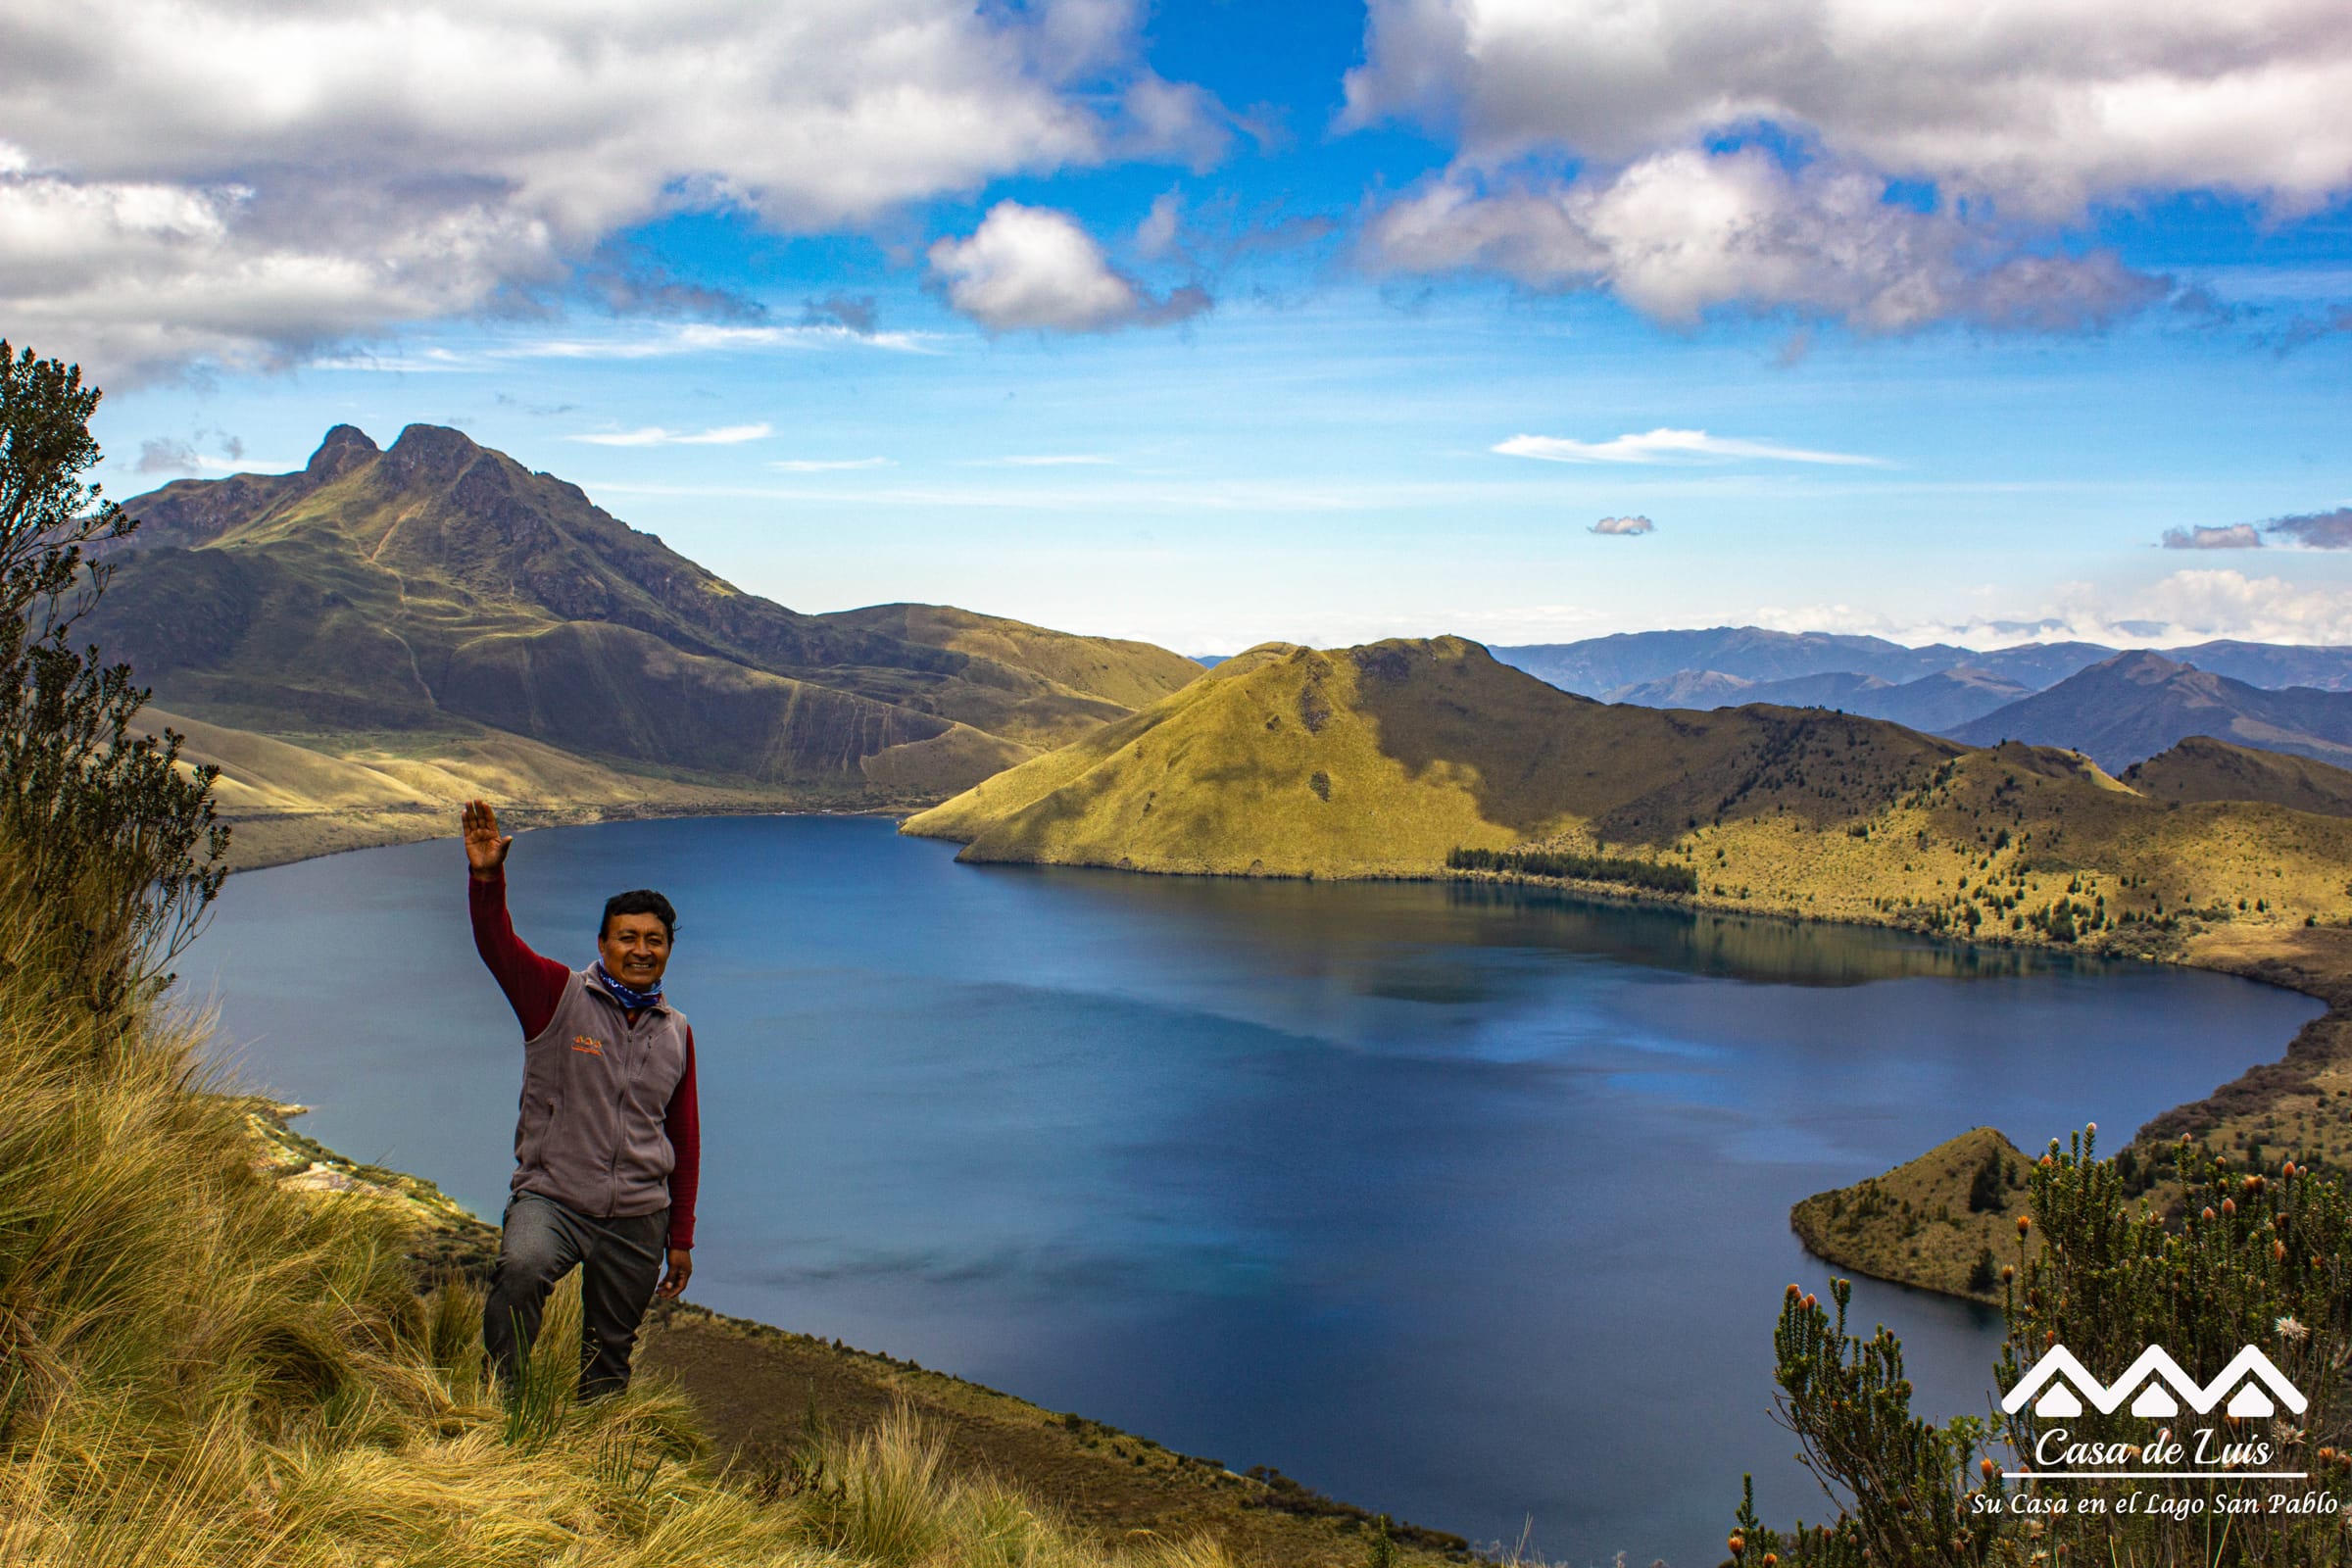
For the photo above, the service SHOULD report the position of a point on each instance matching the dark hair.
(644, 900)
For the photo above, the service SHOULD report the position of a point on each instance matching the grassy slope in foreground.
(217, 1354)
(756, 1391)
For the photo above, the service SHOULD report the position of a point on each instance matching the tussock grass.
(199, 1367)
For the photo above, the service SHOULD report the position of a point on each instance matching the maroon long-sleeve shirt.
(533, 986)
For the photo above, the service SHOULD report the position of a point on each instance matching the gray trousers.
(620, 1262)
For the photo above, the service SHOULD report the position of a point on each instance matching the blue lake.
(1465, 1203)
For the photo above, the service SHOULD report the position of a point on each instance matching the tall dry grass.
(198, 1367)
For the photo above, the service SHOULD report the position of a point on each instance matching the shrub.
(103, 833)
(2257, 1259)
(1648, 875)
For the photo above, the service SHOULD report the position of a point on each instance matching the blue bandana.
(627, 996)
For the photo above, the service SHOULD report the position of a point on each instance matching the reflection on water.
(1468, 1203)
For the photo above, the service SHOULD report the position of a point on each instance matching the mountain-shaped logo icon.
(2156, 1387)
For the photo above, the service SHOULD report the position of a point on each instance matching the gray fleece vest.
(595, 1089)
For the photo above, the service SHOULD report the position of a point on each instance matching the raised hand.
(485, 849)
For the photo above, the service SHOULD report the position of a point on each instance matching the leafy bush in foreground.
(105, 836)
(2248, 1257)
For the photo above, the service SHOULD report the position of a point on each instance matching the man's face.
(635, 950)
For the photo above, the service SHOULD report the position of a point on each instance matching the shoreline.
(2312, 962)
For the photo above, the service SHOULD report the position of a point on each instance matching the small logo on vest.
(594, 1047)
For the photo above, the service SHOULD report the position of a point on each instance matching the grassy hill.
(448, 622)
(2202, 768)
(1380, 761)
(1947, 1220)
(1111, 670)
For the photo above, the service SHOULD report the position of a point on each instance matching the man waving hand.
(608, 1145)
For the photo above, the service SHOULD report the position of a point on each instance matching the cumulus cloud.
(1930, 161)
(1035, 268)
(2042, 108)
(2230, 603)
(2185, 606)
(163, 454)
(712, 337)
(654, 435)
(855, 313)
(2317, 530)
(1683, 232)
(1670, 445)
(266, 180)
(1624, 526)
(2234, 536)
(1155, 235)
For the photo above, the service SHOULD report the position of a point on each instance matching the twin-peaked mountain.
(2135, 705)
(387, 598)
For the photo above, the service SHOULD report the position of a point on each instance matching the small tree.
(109, 845)
(1984, 1189)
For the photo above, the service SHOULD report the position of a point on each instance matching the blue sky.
(1214, 323)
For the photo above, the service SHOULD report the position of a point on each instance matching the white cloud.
(706, 337)
(827, 465)
(1671, 446)
(654, 435)
(2186, 607)
(2206, 536)
(432, 361)
(1034, 268)
(1624, 528)
(1684, 232)
(1155, 235)
(2044, 107)
(270, 180)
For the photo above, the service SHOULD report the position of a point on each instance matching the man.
(608, 1147)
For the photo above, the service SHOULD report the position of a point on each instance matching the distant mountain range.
(412, 606)
(2246, 692)
(1603, 666)
(2135, 705)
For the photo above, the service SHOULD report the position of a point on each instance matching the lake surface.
(1462, 1202)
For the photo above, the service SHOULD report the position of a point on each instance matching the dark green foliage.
(1905, 1483)
(106, 836)
(1982, 1276)
(1984, 1189)
(1648, 875)
(2257, 1258)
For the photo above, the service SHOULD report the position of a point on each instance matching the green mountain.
(1383, 758)
(1380, 761)
(440, 589)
